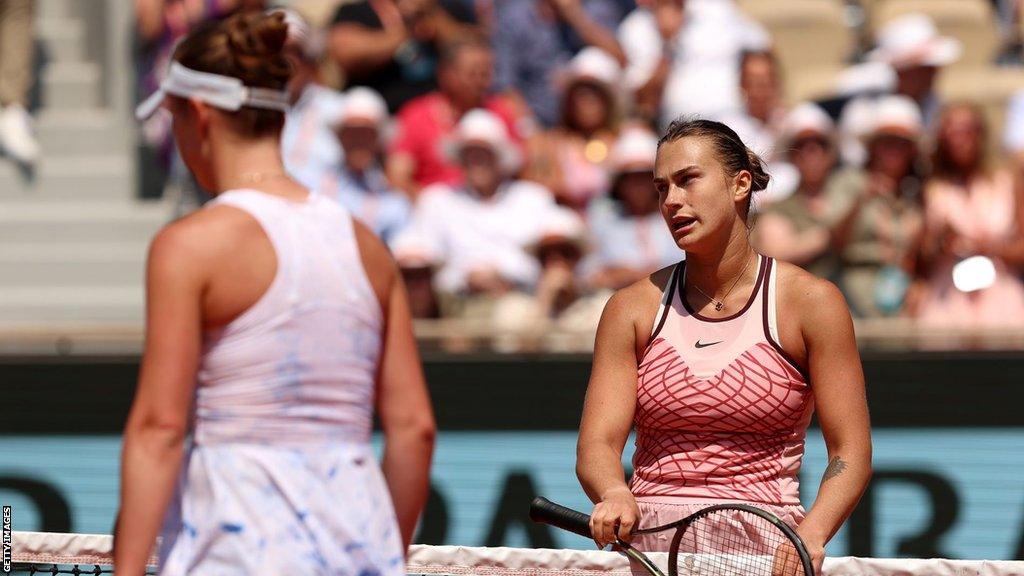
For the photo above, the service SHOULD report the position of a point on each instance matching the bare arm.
(402, 399)
(1011, 252)
(149, 19)
(592, 33)
(837, 381)
(358, 49)
(775, 236)
(158, 421)
(608, 414)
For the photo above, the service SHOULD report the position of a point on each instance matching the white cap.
(595, 65)
(561, 224)
(807, 117)
(865, 77)
(913, 40)
(361, 103)
(634, 150)
(224, 92)
(896, 115)
(479, 126)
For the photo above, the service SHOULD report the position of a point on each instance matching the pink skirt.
(658, 511)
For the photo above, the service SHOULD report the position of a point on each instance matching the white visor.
(224, 92)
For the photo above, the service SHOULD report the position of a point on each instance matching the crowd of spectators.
(504, 149)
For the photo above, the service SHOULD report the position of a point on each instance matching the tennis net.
(52, 553)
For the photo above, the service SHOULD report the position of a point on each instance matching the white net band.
(93, 549)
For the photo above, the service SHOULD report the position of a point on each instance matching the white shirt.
(468, 232)
(311, 151)
(639, 38)
(704, 78)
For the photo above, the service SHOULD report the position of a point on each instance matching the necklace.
(719, 304)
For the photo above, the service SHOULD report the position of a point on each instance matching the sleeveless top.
(299, 366)
(722, 409)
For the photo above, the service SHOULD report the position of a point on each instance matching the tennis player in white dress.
(275, 325)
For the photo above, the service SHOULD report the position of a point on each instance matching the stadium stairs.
(73, 235)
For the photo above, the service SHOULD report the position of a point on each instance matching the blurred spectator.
(362, 187)
(464, 80)
(560, 300)
(1013, 129)
(535, 38)
(312, 154)
(571, 160)
(481, 230)
(879, 234)
(759, 121)
(912, 46)
(972, 210)
(704, 77)
(393, 46)
(159, 24)
(17, 138)
(798, 229)
(648, 62)
(628, 235)
(418, 261)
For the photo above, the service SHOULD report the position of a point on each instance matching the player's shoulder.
(206, 233)
(802, 292)
(640, 300)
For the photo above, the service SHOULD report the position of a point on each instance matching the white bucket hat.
(224, 92)
(479, 126)
(594, 65)
(913, 40)
(561, 225)
(633, 151)
(361, 103)
(805, 118)
(895, 115)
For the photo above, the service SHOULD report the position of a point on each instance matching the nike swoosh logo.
(705, 345)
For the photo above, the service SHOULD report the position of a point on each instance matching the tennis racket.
(720, 540)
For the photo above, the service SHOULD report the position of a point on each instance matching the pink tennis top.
(722, 410)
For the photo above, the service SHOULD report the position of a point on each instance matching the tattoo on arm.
(836, 466)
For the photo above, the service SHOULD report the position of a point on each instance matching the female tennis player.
(721, 377)
(280, 322)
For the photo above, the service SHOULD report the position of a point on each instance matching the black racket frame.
(547, 512)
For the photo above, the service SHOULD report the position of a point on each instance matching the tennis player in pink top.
(718, 363)
(276, 326)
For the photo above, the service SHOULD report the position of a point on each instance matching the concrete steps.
(72, 177)
(68, 264)
(96, 222)
(80, 133)
(71, 86)
(62, 39)
(73, 238)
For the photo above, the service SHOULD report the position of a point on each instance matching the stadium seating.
(973, 22)
(812, 42)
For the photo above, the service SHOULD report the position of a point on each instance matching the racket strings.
(733, 543)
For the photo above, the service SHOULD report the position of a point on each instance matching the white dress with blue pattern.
(280, 477)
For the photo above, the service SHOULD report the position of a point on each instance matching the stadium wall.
(948, 439)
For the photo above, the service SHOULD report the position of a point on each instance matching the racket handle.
(547, 512)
